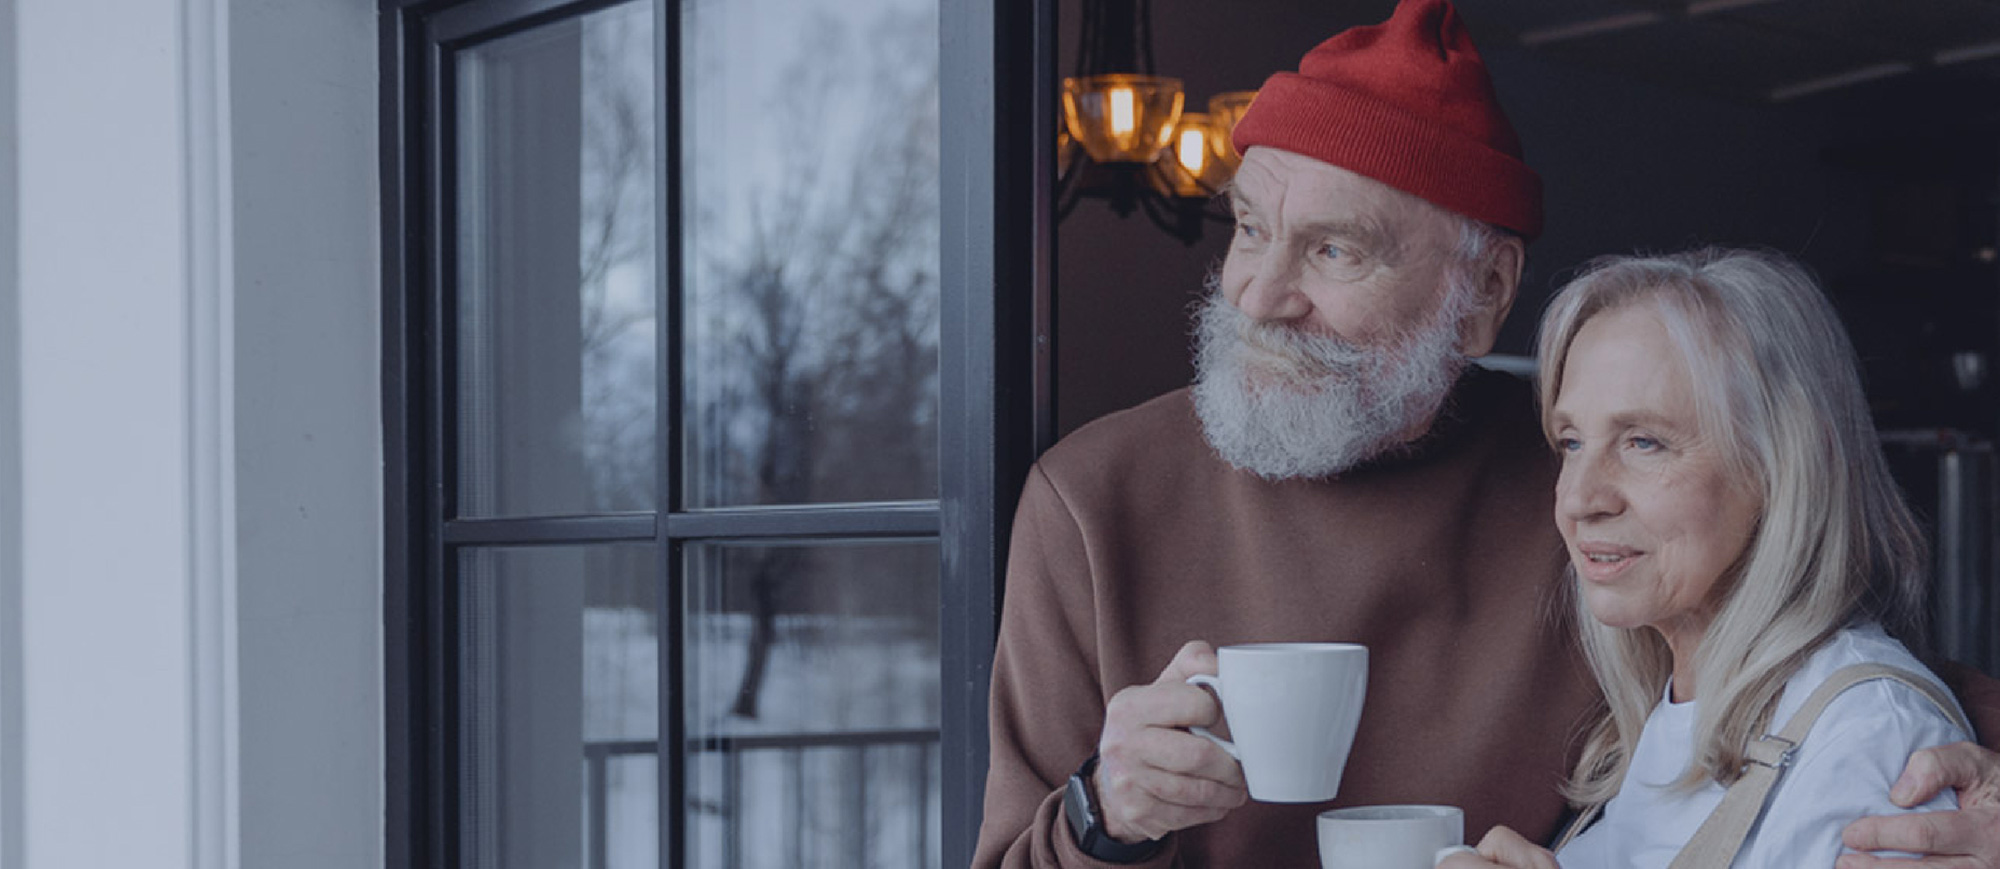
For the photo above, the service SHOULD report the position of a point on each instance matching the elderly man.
(1337, 472)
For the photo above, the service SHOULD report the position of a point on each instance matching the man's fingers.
(1870, 861)
(1180, 753)
(1161, 704)
(1973, 771)
(1147, 803)
(1171, 767)
(1968, 838)
(1154, 778)
(1937, 833)
(1195, 657)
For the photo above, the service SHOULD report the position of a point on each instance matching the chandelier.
(1124, 137)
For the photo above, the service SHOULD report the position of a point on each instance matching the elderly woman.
(1735, 541)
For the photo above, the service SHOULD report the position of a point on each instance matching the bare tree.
(618, 238)
(828, 391)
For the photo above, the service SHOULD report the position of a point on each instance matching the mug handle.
(1213, 684)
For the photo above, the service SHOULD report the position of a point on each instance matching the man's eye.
(1330, 251)
(1248, 230)
(1568, 445)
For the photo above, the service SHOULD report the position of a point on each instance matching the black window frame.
(996, 367)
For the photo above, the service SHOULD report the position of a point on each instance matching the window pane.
(559, 699)
(556, 248)
(812, 237)
(813, 705)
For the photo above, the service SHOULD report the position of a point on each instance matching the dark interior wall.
(1627, 165)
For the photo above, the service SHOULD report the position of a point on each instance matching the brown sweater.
(1133, 538)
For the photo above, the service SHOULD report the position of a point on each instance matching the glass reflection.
(556, 250)
(813, 708)
(559, 699)
(812, 238)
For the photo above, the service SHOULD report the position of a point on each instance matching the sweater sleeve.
(1845, 768)
(1979, 694)
(1047, 704)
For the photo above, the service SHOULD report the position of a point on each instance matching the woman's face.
(1645, 502)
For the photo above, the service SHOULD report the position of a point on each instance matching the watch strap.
(1086, 822)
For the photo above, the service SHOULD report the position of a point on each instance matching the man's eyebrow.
(1371, 234)
(1237, 198)
(1366, 230)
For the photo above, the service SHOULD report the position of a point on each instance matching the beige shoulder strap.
(1715, 844)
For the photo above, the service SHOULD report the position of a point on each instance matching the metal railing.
(734, 749)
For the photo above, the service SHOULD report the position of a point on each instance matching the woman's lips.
(1603, 562)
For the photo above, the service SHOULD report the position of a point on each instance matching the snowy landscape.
(842, 806)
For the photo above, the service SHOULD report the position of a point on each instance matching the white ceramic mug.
(1292, 709)
(1388, 837)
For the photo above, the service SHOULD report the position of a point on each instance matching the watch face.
(1082, 816)
(1088, 828)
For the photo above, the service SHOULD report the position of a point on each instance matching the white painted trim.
(204, 689)
(208, 235)
(104, 408)
(12, 829)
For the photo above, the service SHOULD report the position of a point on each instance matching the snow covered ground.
(840, 806)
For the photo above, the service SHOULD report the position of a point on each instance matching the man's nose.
(1272, 293)
(1587, 489)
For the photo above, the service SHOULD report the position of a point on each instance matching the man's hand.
(1154, 777)
(1965, 839)
(1502, 848)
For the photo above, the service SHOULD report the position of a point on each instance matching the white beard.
(1282, 403)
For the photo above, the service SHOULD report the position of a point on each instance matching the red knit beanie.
(1406, 102)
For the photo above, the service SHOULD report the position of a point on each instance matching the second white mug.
(1292, 709)
(1388, 837)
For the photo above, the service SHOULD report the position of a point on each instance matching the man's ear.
(1500, 280)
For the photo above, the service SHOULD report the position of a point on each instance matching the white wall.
(105, 441)
(10, 467)
(196, 430)
(303, 79)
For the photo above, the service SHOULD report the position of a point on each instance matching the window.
(705, 418)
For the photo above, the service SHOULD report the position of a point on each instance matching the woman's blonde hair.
(1777, 389)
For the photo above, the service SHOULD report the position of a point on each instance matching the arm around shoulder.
(1844, 771)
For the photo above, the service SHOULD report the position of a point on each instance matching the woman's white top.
(1842, 771)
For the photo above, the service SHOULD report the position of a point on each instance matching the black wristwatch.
(1086, 822)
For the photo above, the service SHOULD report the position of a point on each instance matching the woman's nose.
(1587, 489)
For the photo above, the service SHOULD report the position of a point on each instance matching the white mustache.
(1306, 355)
(1283, 402)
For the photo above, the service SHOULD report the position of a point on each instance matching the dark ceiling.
(1758, 50)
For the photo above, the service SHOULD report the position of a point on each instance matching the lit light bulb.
(1193, 151)
(1124, 111)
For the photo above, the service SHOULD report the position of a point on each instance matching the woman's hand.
(1502, 849)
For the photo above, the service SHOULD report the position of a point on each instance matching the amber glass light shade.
(1122, 118)
(1193, 164)
(1224, 110)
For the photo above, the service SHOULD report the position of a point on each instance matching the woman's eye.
(1643, 443)
(1568, 445)
(1248, 230)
